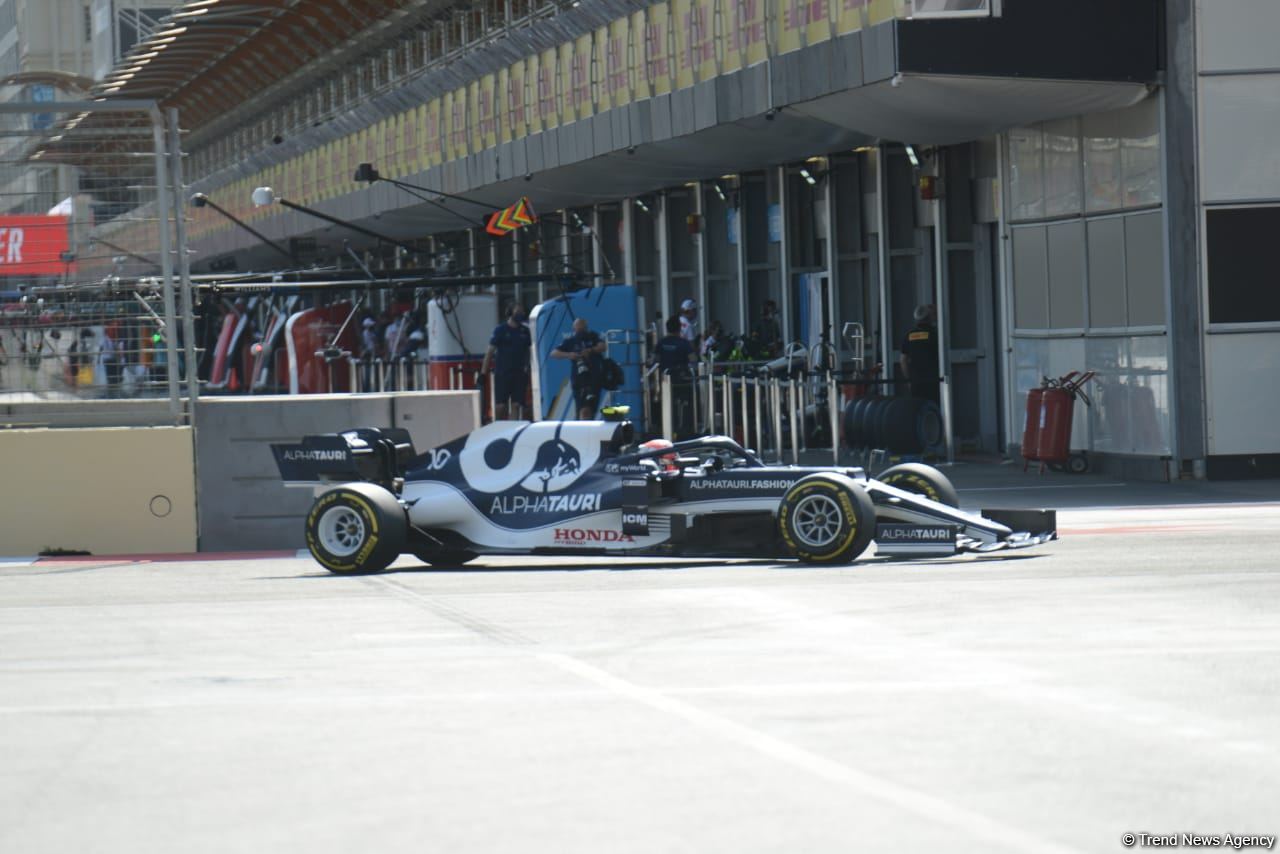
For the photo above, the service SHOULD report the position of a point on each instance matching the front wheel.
(922, 480)
(356, 528)
(826, 518)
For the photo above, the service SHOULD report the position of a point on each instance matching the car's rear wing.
(369, 454)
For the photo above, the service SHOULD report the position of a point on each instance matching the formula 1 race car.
(585, 487)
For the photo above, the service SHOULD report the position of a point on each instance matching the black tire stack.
(901, 425)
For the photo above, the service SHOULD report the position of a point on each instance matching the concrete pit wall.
(243, 504)
(125, 490)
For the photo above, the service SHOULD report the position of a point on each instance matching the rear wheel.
(356, 528)
(922, 480)
(826, 519)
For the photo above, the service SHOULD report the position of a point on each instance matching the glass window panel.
(1026, 173)
(1102, 174)
(1140, 154)
(1062, 167)
(1241, 261)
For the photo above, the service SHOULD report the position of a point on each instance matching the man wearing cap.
(688, 320)
(919, 359)
(506, 362)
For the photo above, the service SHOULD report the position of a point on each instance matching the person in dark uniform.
(507, 364)
(586, 350)
(919, 360)
(766, 336)
(673, 352)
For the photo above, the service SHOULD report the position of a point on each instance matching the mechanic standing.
(673, 355)
(919, 359)
(767, 334)
(586, 350)
(506, 363)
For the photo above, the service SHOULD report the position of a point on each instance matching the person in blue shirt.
(506, 362)
(673, 352)
(585, 349)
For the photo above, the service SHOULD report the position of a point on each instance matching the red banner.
(33, 245)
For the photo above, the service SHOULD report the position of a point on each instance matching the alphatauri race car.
(586, 488)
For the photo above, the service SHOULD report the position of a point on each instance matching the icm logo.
(586, 536)
(635, 518)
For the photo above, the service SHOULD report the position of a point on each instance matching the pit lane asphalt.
(1124, 679)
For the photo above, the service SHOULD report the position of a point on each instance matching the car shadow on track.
(683, 564)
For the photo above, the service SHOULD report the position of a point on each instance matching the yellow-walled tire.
(923, 480)
(356, 528)
(826, 519)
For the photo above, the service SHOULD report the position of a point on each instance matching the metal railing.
(782, 409)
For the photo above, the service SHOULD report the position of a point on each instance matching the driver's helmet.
(666, 461)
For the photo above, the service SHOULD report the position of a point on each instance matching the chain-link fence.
(94, 285)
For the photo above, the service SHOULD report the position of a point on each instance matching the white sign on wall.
(951, 8)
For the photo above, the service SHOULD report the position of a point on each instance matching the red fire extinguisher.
(1031, 427)
(1047, 437)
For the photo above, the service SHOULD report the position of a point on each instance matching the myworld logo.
(582, 536)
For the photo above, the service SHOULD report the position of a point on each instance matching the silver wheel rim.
(341, 531)
(817, 520)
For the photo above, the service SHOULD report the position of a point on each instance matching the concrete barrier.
(25, 411)
(124, 490)
(243, 504)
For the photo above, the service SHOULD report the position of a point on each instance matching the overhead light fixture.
(911, 155)
(719, 191)
(642, 206)
(194, 13)
(804, 173)
(173, 31)
(150, 55)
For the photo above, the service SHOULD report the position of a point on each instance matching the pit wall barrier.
(243, 504)
(120, 490)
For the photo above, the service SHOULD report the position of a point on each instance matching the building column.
(1189, 442)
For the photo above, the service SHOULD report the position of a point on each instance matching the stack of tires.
(901, 425)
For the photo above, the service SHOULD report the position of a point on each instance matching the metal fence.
(95, 293)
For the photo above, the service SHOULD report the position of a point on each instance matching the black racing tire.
(853, 422)
(356, 528)
(826, 519)
(445, 558)
(921, 480)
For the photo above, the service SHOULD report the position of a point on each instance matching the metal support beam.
(882, 245)
(941, 304)
(184, 262)
(166, 263)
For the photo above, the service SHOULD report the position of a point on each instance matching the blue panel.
(611, 311)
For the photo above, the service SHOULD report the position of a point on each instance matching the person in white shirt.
(688, 321)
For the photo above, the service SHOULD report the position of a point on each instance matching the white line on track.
(1045, 486)
(926, 806)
